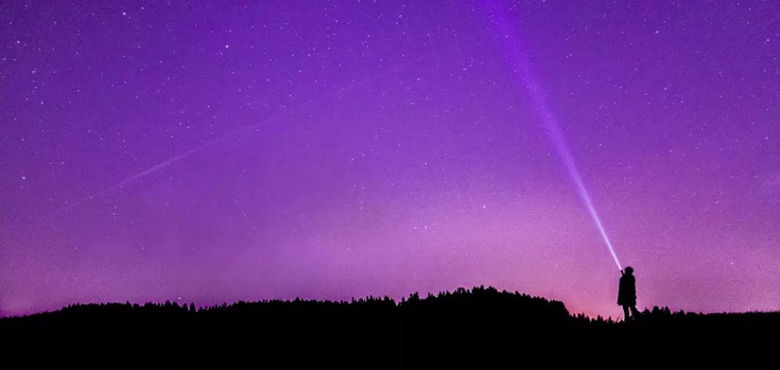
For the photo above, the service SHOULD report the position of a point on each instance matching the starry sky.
(217, 151)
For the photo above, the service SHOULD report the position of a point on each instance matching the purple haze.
(211, 152)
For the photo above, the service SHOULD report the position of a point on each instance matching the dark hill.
(463, 329)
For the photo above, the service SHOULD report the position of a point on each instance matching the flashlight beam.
(522, 71)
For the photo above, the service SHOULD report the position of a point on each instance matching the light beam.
(523, 72)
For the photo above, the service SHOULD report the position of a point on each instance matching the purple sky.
(215, 152)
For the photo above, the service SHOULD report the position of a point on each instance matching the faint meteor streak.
(523, 72)
(334, 92)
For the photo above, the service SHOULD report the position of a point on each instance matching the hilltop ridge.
(466, 327)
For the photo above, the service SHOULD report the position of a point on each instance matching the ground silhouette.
(468, 328)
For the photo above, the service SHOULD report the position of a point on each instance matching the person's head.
(629, 270)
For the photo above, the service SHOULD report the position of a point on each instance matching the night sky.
(210, 152)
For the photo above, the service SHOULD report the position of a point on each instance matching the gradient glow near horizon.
(208, 153)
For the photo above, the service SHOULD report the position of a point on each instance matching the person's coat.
(627, 291)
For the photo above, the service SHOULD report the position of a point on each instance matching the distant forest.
(468, 328)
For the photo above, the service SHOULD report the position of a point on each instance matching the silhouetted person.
(627, 293)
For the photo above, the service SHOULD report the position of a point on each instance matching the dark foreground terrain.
(477, 328)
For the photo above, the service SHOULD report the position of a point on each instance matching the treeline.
(465, 328)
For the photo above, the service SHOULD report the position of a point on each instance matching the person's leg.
(634, 312)
(625, 313)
